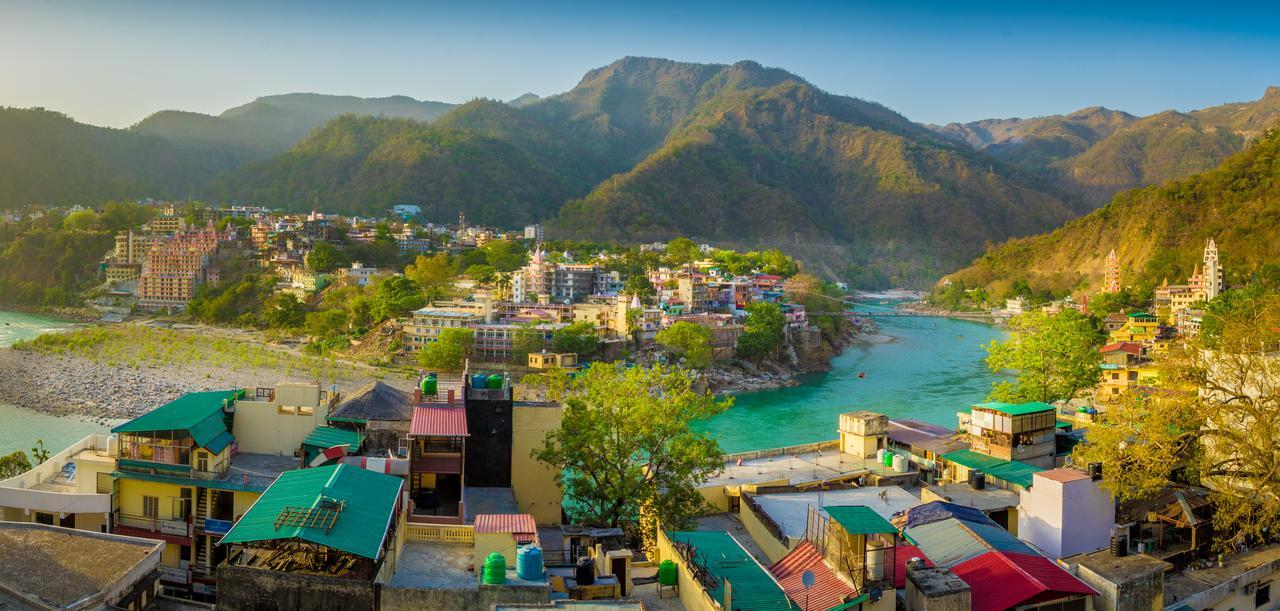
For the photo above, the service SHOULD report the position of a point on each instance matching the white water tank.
(875, 559)
(899, 463)
(880, 456)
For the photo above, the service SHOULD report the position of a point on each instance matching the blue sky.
(113, 63)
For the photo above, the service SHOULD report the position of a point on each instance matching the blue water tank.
(529, 563)
(479, 380)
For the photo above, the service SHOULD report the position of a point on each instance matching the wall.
(487, 543)
(483, 597)
(261, 428)
(1141, 595)
(773, 548)
(533, 481)
(1064, 519)
(247, 588)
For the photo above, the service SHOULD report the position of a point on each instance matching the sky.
(114, 63)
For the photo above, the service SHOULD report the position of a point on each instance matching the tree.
(81, 220)
(285, 311)
(579, 338)
(324, 257)
(681, 251)
(450, 350)
(326, 323)
(13, 465)
(638, 285)
(38, 453)
(433, 275)
(525, 339)
(625, 442)
(762, 331)
(1213, 420)
(1054, 356)
(395, 296)
(689, 341)
(484, 274)
(503, 255)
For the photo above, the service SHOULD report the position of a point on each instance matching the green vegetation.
(579, 338)
(687, 341)
(14, 464)
(625, 446)
(1223, 437)
(450, 350)
(1158, 233)
(325, 257)
(1054, 357)
(761, 331)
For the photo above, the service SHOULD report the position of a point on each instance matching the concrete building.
(48, 567)
(1066, 512)
(1133, 582)
(174, 268)
(426, 324)
(1024, 432)
(934, 589)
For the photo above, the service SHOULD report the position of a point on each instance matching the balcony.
(180, 574)
(142, 525)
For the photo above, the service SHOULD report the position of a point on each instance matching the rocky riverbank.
(69, 385)
(810, 357)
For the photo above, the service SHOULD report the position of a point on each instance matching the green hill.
(1158, 232)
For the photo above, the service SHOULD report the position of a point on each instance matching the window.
(1262, 595)
(202, 461)
(44, 518)
(151, 506)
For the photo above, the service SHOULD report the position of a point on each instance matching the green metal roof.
(852, 604)
(859, 519)
(1016, 409)
(328, 436)
(1011, 471)
(367, 499)
(197, 413)
(722, 556)
(1141, 315)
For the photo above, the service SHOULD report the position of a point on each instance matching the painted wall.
(692, 596)
(773, 548)
(487, 543)
(278, 427)
(532, 481)
(1064, 519)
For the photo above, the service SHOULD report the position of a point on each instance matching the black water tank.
(585, 572)
(1119, 546)
(1095, 470)
(977, 479)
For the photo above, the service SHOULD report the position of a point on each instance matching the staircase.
(201, 542)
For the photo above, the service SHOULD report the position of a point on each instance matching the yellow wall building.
(532, 481)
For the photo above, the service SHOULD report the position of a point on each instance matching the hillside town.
(458, 487)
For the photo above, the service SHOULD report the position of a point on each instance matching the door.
(68, 522)
(619, 568)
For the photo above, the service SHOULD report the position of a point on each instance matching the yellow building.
(1139, 327)
(1125, 365)
(181, 478)
(548, 360)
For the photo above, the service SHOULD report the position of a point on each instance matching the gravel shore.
(70, 385)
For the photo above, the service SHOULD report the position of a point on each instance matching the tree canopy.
(762, 330)
(1054, 357)
(450, 350)
(688, 341)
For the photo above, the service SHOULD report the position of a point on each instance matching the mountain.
(1096, 152)
(48, 158)
(756, 157)
(1157, 232)
(271, 124)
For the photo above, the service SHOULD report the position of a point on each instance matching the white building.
(533, 232)
(1065, 512)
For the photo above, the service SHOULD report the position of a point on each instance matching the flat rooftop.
(1120, 569)
(987, 499)
(261, 467)
(1184, 585)
(791, 510)
(435, 566)
(489, 501)
(59, 566)
(797, 468)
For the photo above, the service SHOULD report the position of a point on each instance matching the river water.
(932, 369)
(20, 428)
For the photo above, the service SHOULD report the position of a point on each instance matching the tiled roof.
(828, 590)
(439, 421)
(514, 523)
(723, 557)
(1129, 347)
(368, 502)
(375, 401)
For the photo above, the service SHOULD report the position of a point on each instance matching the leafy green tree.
(762, 331)
(689, 341)
(326, 323)
(625, 443)
(14, 464)
(395, 296)
(324, 258)
(682, 251)
(82, 220)
(579, 337)
(640, 286)
(285, 311)
(38, 453)
(527, 338)
(433, 274)
(450, 350)
(484, 274)
(503, 255)
(1054, 356)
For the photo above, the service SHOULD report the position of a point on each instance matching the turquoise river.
(932, 368)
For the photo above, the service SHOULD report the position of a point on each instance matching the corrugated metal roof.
(220, 442)
(828, 590)
(901, 556)
(1012, 471)
(1016, 409)
(945, 543)
(514, 523)
(439, 421)
(328, 436)
(1005, 580)
(181, 414)
(859, 519)
(753, 587)
(368, 500)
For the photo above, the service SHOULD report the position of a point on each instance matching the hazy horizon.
(115, 64)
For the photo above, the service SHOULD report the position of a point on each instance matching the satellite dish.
(807, 578)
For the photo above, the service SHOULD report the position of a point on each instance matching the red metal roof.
(901, 556)
(828, 590)
(436, 421)
(1002, 580)
(1130, 347)
(514, 523)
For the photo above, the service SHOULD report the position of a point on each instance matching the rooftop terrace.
(790, 511)
(59, 567)
(1204, 587)
(797, 464)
